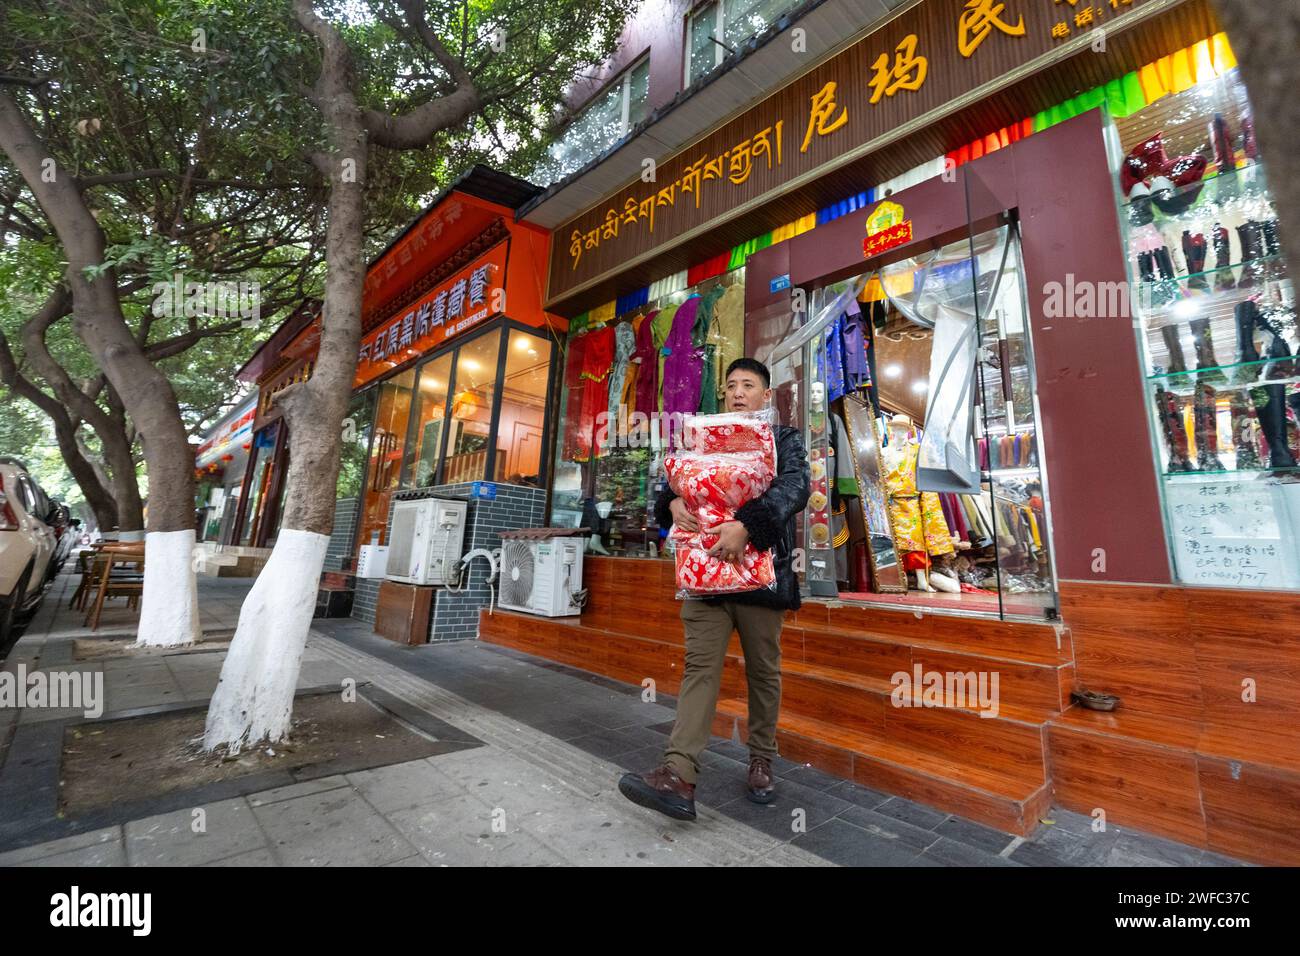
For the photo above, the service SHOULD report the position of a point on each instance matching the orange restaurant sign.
(463, 301)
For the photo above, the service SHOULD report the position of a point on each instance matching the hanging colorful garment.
(661, 326)
(624, 346)
(646, 358)
(591, 356)
(701, 337)
(856, 339)
(835, 359)
(683, 364)
(727, 332)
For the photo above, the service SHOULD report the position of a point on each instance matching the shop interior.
(434, 423)
(920, 418)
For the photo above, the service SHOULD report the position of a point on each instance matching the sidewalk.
(528, 757)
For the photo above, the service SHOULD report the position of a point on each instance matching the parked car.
(27, 544)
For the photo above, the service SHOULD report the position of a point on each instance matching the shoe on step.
(661, 789)
(760, 785)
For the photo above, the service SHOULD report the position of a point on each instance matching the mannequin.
(920, 530)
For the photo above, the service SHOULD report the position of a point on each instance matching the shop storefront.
(286, 358)
(1005, 481)
(219, 469)
(455, 377)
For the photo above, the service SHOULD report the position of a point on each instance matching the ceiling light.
(893, 371)
(919, 387)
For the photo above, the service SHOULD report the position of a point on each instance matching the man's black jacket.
(769, 519)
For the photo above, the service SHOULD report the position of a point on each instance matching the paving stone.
(974, 834)
(457, 831)
(101, 854)
(80, 841)
(259, 857)
(402, 786)
(859, 795)
(303, 789)
(890, 828)
(812, 777)
(334, 828)
(954, 853)
(847, 845)
(913, 813)
(170, 839)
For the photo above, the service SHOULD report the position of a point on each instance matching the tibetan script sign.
(912, 67)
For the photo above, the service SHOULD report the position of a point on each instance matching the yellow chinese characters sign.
(911, 69)
(886, 229)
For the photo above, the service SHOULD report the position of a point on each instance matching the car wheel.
(12, 607)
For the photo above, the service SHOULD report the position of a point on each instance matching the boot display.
(1243, 434)
(1205, 413)
(1194, 249)
(1270, 408)
(1280, 362)
(1251, 237)
(1247, 316)
(1171, 422)
(1222, 260)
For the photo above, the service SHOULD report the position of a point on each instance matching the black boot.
(1205, 416)
(1166, 290)
(1270, 407)
(1274, 268)
(1222, 259)
(1247, 316)
(1194, 249)
(1280, 362)
(1252, 250)
(1170, 412)
(1243, 437)
(1224, 158)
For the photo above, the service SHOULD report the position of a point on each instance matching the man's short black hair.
(751, 365)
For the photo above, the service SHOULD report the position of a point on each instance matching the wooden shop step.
(978, 793)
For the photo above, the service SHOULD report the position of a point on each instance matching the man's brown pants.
(708, 631)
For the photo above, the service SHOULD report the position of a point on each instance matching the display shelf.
(1244, 182)
(1254, 382)
(1183, 280)
(1229, 473)
(1220, 304)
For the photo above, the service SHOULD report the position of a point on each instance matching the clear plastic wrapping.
(728, 460)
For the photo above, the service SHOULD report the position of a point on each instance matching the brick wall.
(339, 551)
(455, 614)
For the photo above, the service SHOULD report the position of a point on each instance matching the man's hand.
(732, 538)
(682, 516)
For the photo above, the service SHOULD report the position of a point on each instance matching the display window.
(472, 412)
(626, 384)
(1215, 315)
(914, 385)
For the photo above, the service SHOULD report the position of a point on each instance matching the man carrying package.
(762, 523)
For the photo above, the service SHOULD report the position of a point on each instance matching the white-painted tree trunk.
(169, 607)
(254, 698)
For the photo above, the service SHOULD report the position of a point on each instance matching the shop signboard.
(231, 434)
(909, 71)
(464, 300)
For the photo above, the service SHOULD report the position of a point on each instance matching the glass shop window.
(383, 473)
(429, 420)
(614, 407)
(914, 385)
(356, 441)
(469, 431)
(1217, 329)
(521, 424)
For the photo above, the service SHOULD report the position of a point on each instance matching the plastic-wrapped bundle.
(732, 460)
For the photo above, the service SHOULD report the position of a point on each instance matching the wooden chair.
(119, 583)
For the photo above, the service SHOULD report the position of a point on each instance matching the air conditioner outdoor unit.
(425, 543)
(541, 575)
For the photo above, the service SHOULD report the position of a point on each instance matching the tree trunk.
(1264, 37)
(169, 612)
(254, 698)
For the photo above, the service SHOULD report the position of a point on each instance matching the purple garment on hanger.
(857, 373)
(835, 386)
(683, 364)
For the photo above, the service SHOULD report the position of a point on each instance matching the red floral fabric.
(733, 462)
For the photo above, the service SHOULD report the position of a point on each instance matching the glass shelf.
(1243, 182)
(1209, 274)
(1251, 473)
(1175, 381)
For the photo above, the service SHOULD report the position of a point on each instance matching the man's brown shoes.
(661, 789)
